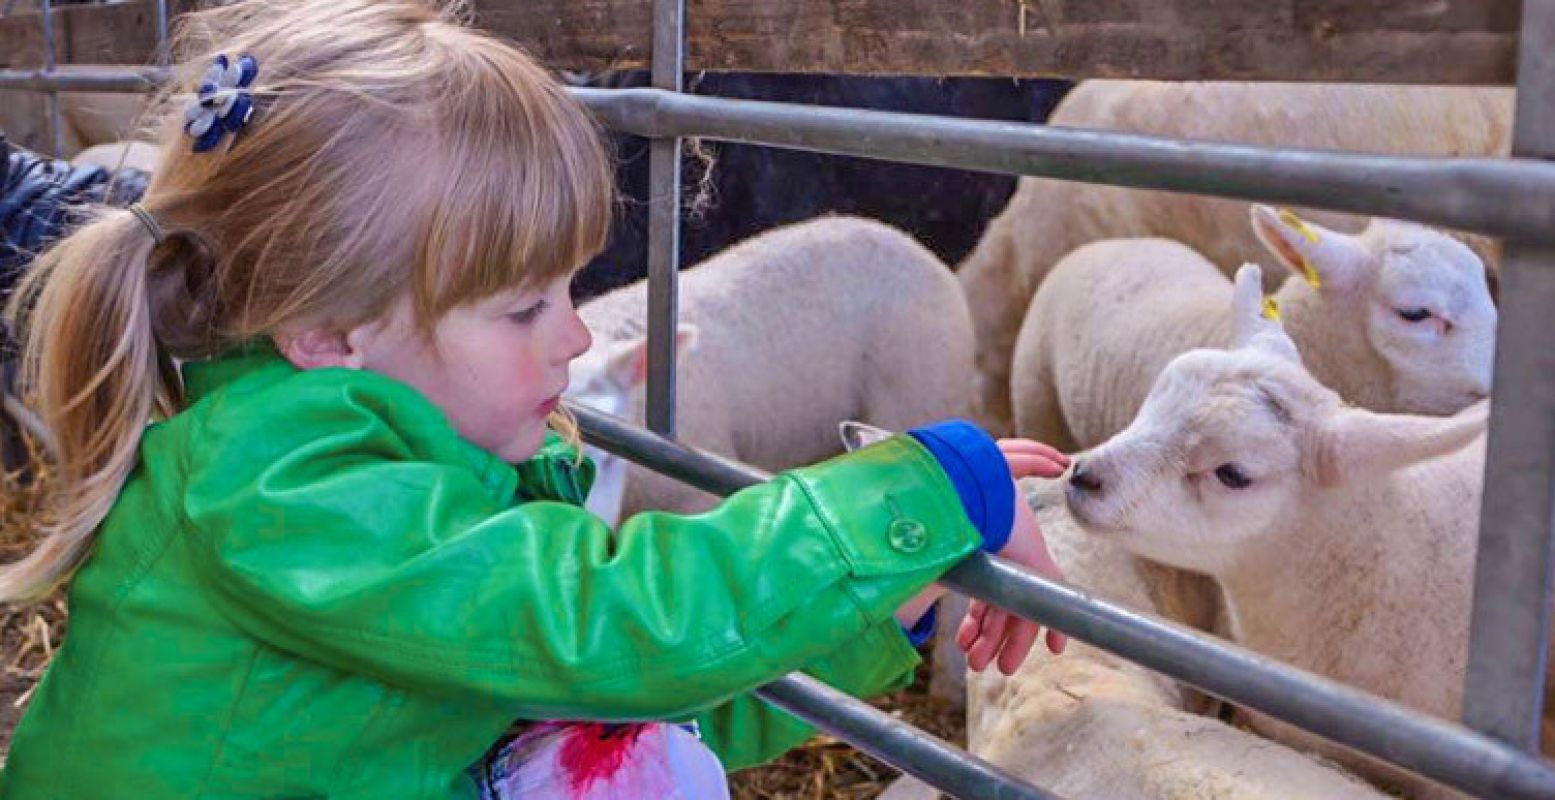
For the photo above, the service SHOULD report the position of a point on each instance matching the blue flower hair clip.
(223, 103)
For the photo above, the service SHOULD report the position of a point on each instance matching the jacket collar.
(554, 473)
(201, 378)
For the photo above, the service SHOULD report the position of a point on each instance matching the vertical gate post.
(664, 222)
(1504, 690)
(163, 56)
(56, 124)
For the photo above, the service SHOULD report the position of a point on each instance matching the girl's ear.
(312, 348)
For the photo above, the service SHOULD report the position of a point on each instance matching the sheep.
(1342, 539)
(143, 156)
(1088, 725)
(86, 119)
(604, 379)
(1396, 318)
(801, 327)
(1046, 219)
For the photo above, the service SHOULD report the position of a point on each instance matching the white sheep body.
(1342, 540)
(1046, 219)
(801, 328)
(1114, 312)
(1088, 725)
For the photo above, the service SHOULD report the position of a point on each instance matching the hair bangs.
(529, 187)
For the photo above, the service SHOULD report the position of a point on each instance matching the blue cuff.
(981, 475)
(923, 630)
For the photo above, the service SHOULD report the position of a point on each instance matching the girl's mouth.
(550, 405)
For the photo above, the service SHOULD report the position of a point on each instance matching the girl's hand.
(989, 632)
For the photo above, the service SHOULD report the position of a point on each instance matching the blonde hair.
(392, 149)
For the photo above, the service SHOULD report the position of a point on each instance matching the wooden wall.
(1404, 41)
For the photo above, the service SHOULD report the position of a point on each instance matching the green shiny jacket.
(312, 587)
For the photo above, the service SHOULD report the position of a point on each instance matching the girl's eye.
(1232, 476)
(529, 314)
(1414, 314)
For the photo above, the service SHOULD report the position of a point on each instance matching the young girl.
(317, 572)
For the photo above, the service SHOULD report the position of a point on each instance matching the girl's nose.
(577, 338)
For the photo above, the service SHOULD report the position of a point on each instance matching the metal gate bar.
(1498, 196)
(85, 78)
(943, 766)
(664, 222)
(1511, 197)
(51, 100)
(1437, 749)
(1510, 629)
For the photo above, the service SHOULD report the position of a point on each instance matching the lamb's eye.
(1414, 314)
(1232, 476)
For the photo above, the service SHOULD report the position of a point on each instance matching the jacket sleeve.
(747, 731)
(337, 542)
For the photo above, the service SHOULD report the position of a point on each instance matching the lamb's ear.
(1255, 319)
(856, 435)
(1248, 311)
(627, 360)
(1329, 260)
(1353, 443)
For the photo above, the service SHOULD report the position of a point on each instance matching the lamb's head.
(1232, 446)
(604, 379)
(1418, 297)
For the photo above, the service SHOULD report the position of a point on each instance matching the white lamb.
(1396, 318)
(604, 379)
(1088, 725)
(1046, 219)
(1342, 539)
(143, 156)
(801, 328)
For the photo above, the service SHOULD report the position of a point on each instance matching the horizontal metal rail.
(1499, 196)
(1435, 748)
(129, 80)
(944, 766)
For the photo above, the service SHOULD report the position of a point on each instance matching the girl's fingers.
(1056, 642)
(970, 625)
(988, 641)
(1023, 465)
(1017, 645)
(1027, 446)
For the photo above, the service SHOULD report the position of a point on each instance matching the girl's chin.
(522, 447)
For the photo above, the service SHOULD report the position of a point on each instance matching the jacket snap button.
(907, 535)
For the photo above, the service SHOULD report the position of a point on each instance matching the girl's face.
(497, 367)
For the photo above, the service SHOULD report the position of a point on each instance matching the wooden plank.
(122, 33)
(1402, 41)
(1398, 41)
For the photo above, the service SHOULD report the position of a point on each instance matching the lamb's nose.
(1084, 480)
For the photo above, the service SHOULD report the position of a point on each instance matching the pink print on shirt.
(602, 761)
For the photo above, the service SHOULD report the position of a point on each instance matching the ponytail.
(91, 371)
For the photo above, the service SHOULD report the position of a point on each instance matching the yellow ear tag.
(1271, 309)
(1313, 279)
(1290, 219)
